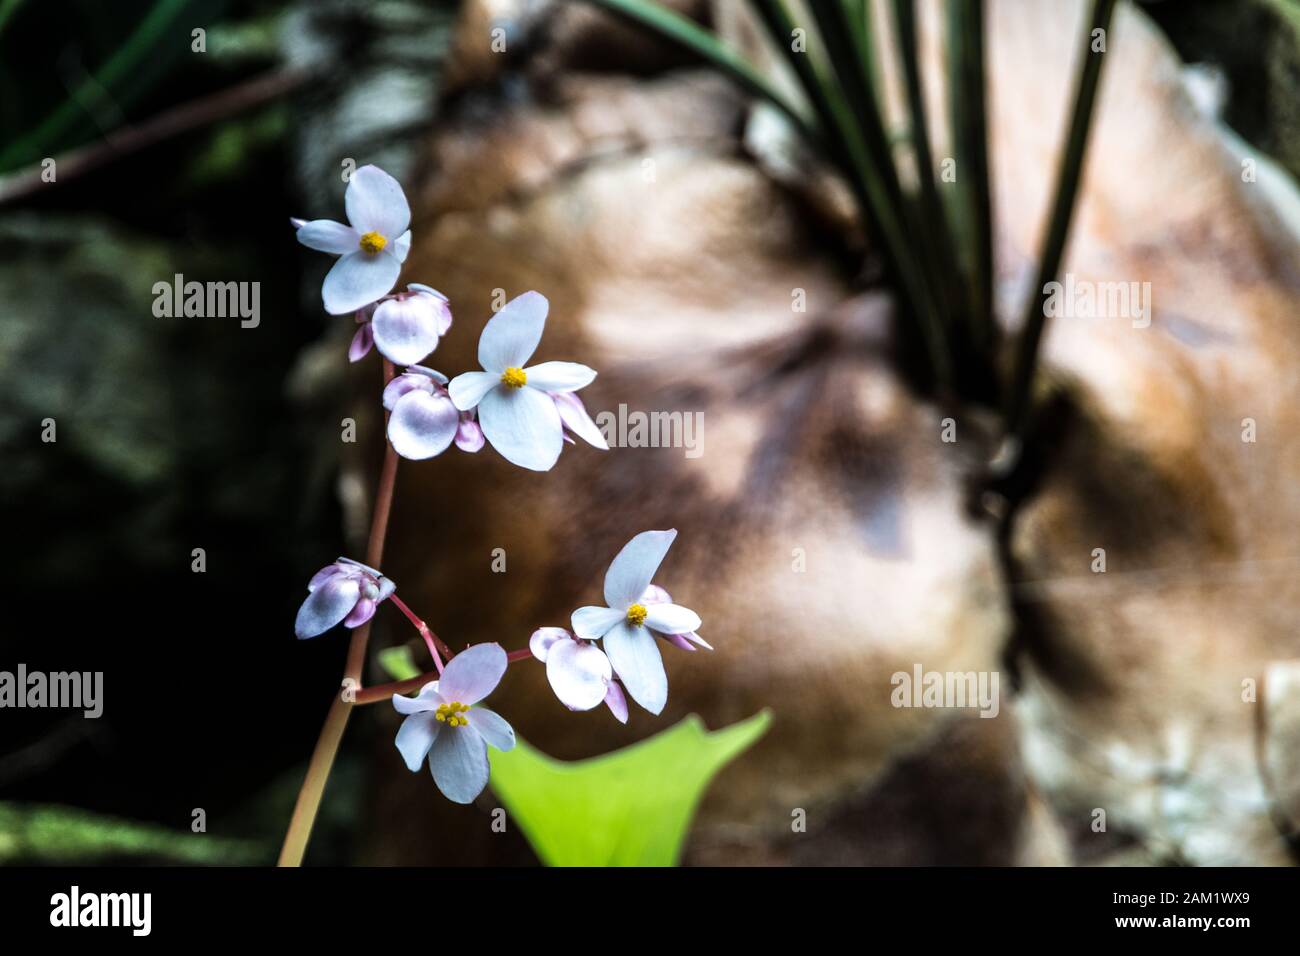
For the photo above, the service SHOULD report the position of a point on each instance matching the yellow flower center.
(373, 242)
(636, 615)
(453, 714)
(514, 378)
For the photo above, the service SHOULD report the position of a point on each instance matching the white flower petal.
(523, 425)
(494, 728)
(402, 246)
(575, 418)
(630, 572)
(543, 638)
(358, 279)
(422, 425)
(671, 618)
(560, 376)
(616, 701)
(473, 673)
(415, 737)
(591, 623)
(511, 336)
(459, 763)
(327, 605)
(634, 654)
(579, 674)
(406, 330)
(427, 699)
(375, 203)
(468, 388)
(408, 381)
(325, 235)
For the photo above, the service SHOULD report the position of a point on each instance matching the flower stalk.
(336, 721)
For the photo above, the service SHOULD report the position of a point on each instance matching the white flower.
(629, 624)
(579, 671)
(373, 246)
(345, 592)
(423, 420)
(516, 407)
(445, 724)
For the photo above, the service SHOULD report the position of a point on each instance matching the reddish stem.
(327, 745)
(382, 692)
(431, 640)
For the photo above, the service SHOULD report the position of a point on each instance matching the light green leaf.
(397, 662)
(632, 807)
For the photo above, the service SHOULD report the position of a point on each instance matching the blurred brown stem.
(169, 123)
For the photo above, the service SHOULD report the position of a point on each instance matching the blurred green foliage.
(45, 834)
(632, 807)
(398, 663)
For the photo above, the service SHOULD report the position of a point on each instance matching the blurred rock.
(1133, 698)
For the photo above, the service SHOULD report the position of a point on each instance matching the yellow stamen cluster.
(453, 714)
(373, 242)
(514, 378)
(636, 615)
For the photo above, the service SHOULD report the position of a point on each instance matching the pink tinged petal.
(406, 330)
(616, 701)
(671, 618)
(429, 373)
(630, 572)
(324, 235)
(592, 623)
(426, 289)
(467, 390)
(415, 738)
(510, 337)
(634, 654)
(441, 303)
(493, 727)
(402, 246)
(349, 563)
(358, 279)
(578, 673)
(324, 574)
(375, 203)
(362, 342)
(560, 376)
(575, 418)
(427, 700)
(422, 425)
(654, 594)
(469, 436)
(473, 673)
(297, 223)
(696, 639)
(678, 640)
(459, 763)
(406, 382)
(543, 638)
(326, 606)
(363, 612)
(523, 425)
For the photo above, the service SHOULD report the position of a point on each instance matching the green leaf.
(47, 834)
(632, 807)
(1068, 175)
(397, 662)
